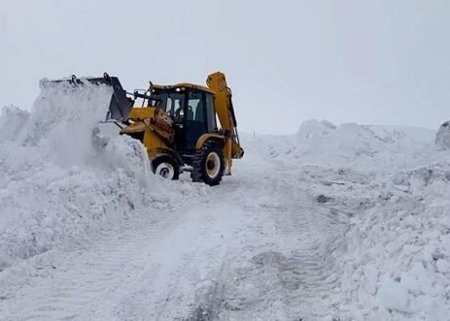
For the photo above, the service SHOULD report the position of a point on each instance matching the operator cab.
(192, 110)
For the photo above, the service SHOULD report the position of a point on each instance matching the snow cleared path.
(253, 248)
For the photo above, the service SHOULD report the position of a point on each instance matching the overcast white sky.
(372, 62)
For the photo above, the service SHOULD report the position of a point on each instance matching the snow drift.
(397, 262)
(321, 143)
(395, 184)
(54, 184)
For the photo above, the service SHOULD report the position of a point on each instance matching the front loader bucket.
(120, 105)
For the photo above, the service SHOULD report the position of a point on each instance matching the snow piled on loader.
(55, 184)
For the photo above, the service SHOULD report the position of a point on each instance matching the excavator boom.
(225, 112)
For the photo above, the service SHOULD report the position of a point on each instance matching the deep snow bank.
(394, 184)
(322, 143)
(397, 262)
(54, 185)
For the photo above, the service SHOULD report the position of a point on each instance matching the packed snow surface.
(344, 222)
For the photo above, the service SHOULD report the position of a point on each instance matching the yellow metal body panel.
(156, 126)
(218, 84)
(202, 140)
(153, 143)
(134, 128)
(141, 113)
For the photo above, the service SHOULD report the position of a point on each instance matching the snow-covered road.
(267, 244)
(261, 245)
(254, 247)
(341, 223)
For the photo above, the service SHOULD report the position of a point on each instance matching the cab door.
(195, 119)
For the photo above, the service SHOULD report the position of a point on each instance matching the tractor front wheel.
(166, 167)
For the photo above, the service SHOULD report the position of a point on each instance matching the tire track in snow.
(203, 242)
(70, 283)
(291, 270)
(318, 235)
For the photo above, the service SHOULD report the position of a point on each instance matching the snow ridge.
(321, 143)
(54, 184)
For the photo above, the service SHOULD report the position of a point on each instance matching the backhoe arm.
(225, 112)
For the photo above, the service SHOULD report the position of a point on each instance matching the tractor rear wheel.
(166, 167)
(208, 164)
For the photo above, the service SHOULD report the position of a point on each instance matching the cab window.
(173, 104)
(195, 107)
(210, 113)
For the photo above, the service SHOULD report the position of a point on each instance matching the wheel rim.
(212, 165)
(165, 170)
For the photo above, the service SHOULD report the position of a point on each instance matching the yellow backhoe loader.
(178, 125)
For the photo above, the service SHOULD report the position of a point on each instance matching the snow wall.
(55, 185)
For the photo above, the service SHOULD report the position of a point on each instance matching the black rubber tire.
(208, 158)
(169, 160)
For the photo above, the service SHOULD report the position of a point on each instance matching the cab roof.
(182, 86)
